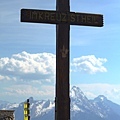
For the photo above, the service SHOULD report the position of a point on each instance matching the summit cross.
(63, 18)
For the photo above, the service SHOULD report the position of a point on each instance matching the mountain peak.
(31, 99)
(100, 98)
(77, 93)
(76, 88)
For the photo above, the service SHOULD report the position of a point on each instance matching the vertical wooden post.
(62, 104)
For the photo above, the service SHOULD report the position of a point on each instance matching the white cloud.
(26, 91)
(27, 66)
(4, 78)
(89, 64)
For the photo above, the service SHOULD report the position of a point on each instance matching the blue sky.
(27, 52)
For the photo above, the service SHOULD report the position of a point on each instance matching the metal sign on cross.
(63, 18)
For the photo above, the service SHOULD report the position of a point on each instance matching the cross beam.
(58, 17)
(63, 18)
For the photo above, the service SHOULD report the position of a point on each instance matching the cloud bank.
(41, 66)
(25, 66)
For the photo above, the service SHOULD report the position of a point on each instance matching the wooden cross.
(63, 18)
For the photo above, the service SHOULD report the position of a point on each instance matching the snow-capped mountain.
(81, 108)
(4, 105)
(39, 109)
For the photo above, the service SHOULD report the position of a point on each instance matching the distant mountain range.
(81, 108)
